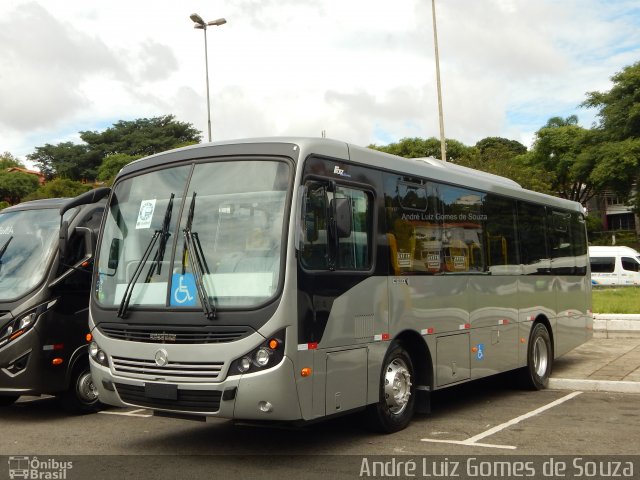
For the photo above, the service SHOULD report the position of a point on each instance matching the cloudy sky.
(362, 70)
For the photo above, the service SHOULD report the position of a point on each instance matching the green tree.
(67, 160)
(418, 148)
(112, 164)
(503, 146)
(7, 160)
(617, 148)
(141, 137)
(136, 138)
(564, 150)
(14, 186)
(59, 188)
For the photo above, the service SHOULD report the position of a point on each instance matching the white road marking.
(132, 413)
(473, 441)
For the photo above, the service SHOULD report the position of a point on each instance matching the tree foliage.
(66, 160)
(59, 188)
(14, 186)
(136, 138)
(141, 137)
(418, 148)
(560, 150)
(617, 150)
(7, 160)
(112, 164)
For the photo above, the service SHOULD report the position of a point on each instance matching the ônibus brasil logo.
(36, 469)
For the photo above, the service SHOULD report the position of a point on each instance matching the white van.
(614, 266)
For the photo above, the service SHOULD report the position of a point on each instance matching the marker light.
(305, 372)
(56, 361)
(89, 337)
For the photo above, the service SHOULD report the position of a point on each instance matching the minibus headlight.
(98, 355)
(268, 354)
(23, 323)
(244, 364)
(262, 356)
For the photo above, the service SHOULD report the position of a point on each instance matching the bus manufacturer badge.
(162, 357)
(162, 337)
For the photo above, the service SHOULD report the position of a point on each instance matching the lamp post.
(443, 148)
(200, 24)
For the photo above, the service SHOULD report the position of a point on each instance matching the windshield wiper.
(199, 263)
(164, 233)
(164, 237)
(4, 249)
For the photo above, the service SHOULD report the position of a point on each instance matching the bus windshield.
(28, 239)
(202, 236)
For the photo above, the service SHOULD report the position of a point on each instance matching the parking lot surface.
(484, 418)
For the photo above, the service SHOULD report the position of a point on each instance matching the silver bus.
(294, 279)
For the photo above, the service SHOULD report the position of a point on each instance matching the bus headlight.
(262, 356)
(268, 354)
(23, 323)
(98, 355)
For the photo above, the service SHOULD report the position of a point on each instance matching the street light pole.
(443, 146)
(201, 25)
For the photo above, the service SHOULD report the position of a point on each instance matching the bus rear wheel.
(395, 408)
(535, 376)
(5, 401)
(82, 394)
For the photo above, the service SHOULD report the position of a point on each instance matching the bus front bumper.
(267, 395)
(26, 367)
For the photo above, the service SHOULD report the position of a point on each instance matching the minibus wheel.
(535, 376)
(82, 395)
(5, 401)
(397, 393)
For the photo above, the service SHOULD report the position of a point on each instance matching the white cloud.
(361, 70)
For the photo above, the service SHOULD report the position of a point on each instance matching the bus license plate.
(163, 391)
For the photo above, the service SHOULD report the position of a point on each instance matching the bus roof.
(37, 204)
(301, 147)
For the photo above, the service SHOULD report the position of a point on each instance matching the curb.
(608, 386)
(608, 325)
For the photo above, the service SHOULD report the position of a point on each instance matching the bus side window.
(321, 251)
(532, 219)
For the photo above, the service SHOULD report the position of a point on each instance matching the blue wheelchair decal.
(480, 352)
(183, 290)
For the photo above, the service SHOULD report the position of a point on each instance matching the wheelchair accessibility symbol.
(480, 353)
(183, 289)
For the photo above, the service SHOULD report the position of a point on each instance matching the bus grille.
(188, 400)
(177, 335)
(178, 371)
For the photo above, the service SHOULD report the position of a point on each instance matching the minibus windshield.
(28, 239)
(218, 246)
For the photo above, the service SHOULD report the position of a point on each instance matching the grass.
(616, 300)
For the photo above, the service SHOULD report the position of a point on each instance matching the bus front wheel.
(535, 376)
(395, 408)
(82, 395)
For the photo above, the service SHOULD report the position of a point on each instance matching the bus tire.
(6, 400)
(82, 395)
(535, 376)
(397, 393)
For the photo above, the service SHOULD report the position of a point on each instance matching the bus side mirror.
(343, 217)
(85, 261)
